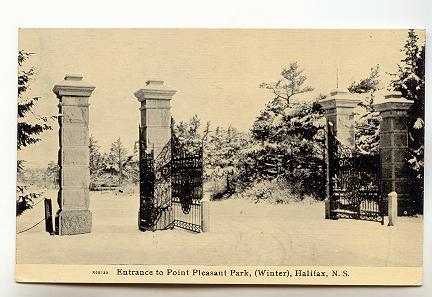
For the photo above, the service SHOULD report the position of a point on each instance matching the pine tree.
(188, 134)
(53, 172)
(30, 126)
(289, 85)
(97, 162)
(367, 126)
(118, 161)
(288, 138)
(222, 154)
(410, 81)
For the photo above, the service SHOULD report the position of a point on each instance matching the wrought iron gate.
(354, 183)
(187, 185)
(171, 187)
(155, 211)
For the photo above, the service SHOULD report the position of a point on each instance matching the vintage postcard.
(220, 156)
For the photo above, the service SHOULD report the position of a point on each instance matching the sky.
(216, 72)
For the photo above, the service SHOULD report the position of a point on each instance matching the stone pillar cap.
(394, 94)
(393, 101)
(339, 91)
(73, 85)
(154, 82)
(155, 89)
(340, 98)
(73, 77)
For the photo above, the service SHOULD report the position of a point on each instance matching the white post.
(392, 208)
(205, 216)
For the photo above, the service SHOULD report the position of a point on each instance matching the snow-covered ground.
(242, 233)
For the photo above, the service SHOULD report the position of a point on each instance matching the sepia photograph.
(221, 156)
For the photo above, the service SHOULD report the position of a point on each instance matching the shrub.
(276, 191)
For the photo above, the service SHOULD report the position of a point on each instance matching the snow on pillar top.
(73, 85)
(393, 101)
(156, 90)
(340, 98)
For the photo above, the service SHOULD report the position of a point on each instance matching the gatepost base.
(71, 222)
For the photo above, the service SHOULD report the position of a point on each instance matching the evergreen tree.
(97, 162)
(118, 161)
(410, 81)
(289, 85)
(222, 154)
(288, 138)
(53, 172)
(188, 134)
(30, 126)
(367, 125)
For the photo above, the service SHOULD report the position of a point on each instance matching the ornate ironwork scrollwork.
(187, 172)
(171, 180)
(355, 182)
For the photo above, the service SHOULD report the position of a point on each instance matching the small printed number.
(100, 272)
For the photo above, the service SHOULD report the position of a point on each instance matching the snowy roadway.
(242, 233)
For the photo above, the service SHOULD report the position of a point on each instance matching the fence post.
(392, 208)
(205, 216)
(48, 216)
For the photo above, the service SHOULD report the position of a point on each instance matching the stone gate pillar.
(74, 216)
(339, 113)
(393, 147)
(155, 99)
